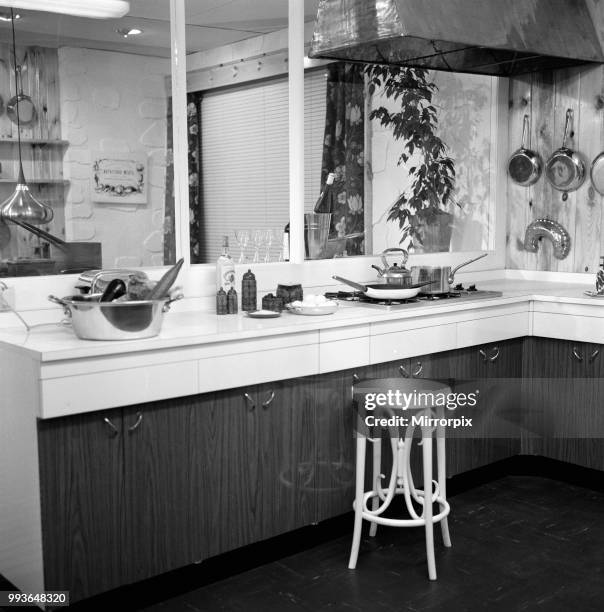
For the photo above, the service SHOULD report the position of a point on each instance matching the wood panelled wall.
(545, 97)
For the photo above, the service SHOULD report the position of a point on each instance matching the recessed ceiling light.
(95, 9)
(125, 32)
(5, 16)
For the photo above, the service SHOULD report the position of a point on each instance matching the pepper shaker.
(221, 302)
(232, 301)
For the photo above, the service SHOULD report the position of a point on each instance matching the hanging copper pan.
(565, 169)
(524, 166)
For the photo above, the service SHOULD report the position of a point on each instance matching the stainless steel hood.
(496, 37)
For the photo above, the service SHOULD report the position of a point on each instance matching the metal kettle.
(394, 274)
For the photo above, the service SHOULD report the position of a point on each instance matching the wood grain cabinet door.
(164, 488)
(564, 403)
(82, 497)
(333, 476)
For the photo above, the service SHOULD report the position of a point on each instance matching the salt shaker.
(221, 302)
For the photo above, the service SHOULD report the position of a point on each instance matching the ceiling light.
(95, 9)
(125, 32)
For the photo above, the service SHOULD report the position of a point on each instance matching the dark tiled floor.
(519, 543)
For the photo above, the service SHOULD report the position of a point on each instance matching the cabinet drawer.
(412, 342)
(492, 329)
(232, 371)
(100, 390)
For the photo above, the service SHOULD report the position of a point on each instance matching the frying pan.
(27, 108)
(565, 169)
(597, 173)
(384, 291)
(524, 166)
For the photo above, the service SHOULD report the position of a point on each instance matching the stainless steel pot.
(441, 278)
(394, 274)
(94, 320)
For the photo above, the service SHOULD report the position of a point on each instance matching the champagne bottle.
(324, 202)
(225, 268)
(286, 243)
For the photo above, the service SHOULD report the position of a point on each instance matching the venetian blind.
(244, 159)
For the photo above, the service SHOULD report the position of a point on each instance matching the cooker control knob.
(458, 287)
(472, 288)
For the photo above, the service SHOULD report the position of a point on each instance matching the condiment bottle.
(232, 301)
(221, 302)
(225, 268)
(249, 297)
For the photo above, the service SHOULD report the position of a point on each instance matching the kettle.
(395, 274)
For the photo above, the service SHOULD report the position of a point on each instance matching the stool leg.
(442, 483)
(358, 503)
(377, 467)
(427, 462)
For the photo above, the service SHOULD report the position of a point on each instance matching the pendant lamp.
(21, 205)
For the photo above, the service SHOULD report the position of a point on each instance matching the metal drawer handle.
(403, 371)
(114, 429)
(267, 402)
(594, 355)
(355, 378)
(420, 367)
(576, 354)
(251, 402)
(493, 358)
(483, 354)
(139, 420)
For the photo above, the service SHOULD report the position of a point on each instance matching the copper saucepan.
(524, 166)
(565, 169)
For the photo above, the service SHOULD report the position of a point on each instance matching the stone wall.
(114, 102)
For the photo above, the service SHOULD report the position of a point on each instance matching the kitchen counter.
(199, 352)
(52, 341)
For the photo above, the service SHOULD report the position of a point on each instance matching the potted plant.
(423, 210)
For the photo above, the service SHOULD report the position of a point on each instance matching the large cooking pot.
(132, 320)
(441, 278)
(565, 169)
(384, 291)
(394, 274)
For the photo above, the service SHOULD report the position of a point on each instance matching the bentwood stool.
(425, 406)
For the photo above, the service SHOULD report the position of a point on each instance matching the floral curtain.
(194, 161)
(343, 151)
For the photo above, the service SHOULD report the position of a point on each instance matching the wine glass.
(242, 236)
(258, 238)
(269, 239)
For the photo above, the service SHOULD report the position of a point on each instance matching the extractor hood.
(495, 37)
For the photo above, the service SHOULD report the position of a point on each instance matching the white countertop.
(52, 342)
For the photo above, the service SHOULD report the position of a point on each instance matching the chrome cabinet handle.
(418, 371)
(594, 355)
(112, 427)
(483, 354)
(403, 370)
(576, 354)
(139, 420)
(267, 402)
(251, 402)
(495, 355)
(355, 378)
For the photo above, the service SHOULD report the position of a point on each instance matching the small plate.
(325, 309)
(593, 294)
(263, 314)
